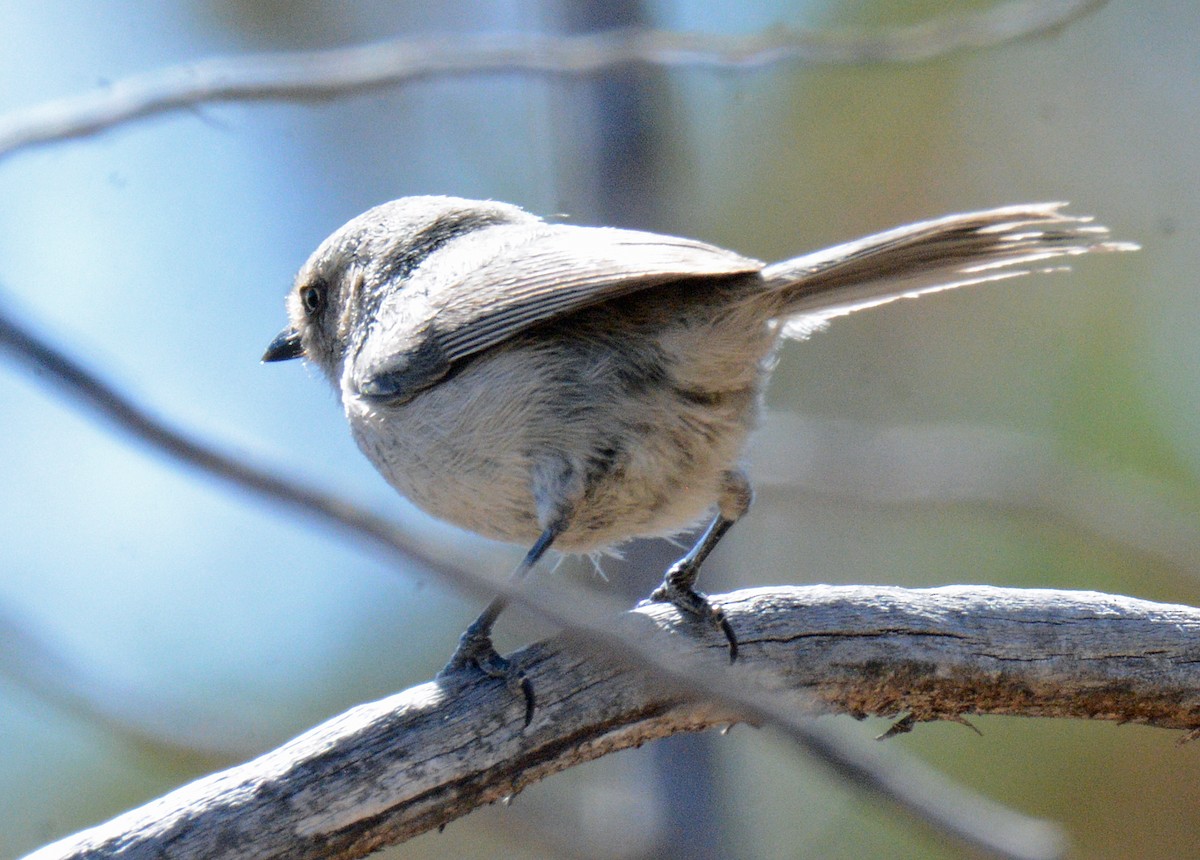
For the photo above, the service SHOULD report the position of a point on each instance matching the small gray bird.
(550, 384)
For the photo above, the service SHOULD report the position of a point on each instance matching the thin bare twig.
(594, 631)
(316, 75)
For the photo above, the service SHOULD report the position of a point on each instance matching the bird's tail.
(953, 251)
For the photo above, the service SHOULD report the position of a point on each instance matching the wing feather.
(488, 285)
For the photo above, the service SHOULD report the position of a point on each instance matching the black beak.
(286, 345)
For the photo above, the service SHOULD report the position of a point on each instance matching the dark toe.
(698, 605)
(478, 654)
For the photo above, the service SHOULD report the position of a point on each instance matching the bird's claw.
(694, 603)
(478, 653)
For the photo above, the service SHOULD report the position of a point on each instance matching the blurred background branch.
(940, 467)
(316, 75)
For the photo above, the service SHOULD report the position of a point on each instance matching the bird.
(573, 387)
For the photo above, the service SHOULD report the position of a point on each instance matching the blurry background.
(154, 627)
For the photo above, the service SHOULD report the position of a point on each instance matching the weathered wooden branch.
(386, 771)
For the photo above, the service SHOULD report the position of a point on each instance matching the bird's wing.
(491, 284)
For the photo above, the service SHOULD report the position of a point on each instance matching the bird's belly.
(468, 451)
(470, 473)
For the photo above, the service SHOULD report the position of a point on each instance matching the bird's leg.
(475, 648)
(678, 585)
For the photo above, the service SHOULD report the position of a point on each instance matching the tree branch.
(317, 75)
(384, 772)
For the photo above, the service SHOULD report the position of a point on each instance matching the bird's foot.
(476, 652)
(675, 590)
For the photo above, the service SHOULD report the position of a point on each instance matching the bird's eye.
(313, 299)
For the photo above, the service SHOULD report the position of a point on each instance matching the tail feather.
(941, 254)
